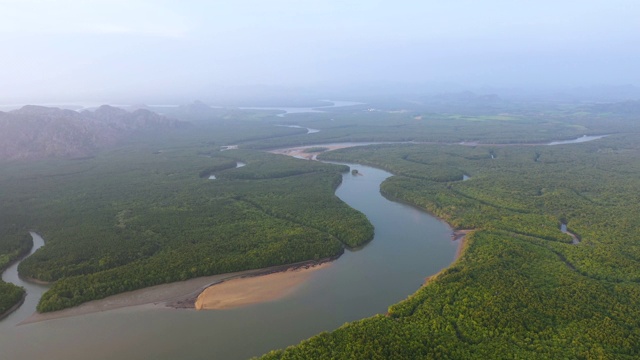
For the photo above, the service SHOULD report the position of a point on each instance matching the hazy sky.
(66, 49)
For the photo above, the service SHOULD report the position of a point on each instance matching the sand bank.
(256, 289)
(177, 295)
(159, 295)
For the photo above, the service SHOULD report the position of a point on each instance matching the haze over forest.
(324, 180)
(167, 52)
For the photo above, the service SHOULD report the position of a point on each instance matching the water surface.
(34, 291)
(409, 245)
(583, 138)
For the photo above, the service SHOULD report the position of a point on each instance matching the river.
(408, 246)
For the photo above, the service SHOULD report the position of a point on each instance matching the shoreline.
(250, 290)
(460, 235)
(188, 301)
(456, 235)
(184, 294)
(35, 281)
(175, 296)
(15, 307)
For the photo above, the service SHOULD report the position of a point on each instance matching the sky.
(65, 50)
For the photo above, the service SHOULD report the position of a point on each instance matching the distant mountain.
(36, 132)
(124, 121)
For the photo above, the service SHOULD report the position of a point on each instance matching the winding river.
(34, 291)
(409, 245)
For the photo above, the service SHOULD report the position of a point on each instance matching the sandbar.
(177, 295)
(256, 289)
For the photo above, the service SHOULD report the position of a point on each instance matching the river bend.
(408, 246)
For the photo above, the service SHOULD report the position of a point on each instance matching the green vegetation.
(11, 295)
(14, 245)
(520, 289)
(506, 126)
(135, 217)
(145, 214)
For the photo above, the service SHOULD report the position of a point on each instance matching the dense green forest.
(84, 208)
(135, 217)
(521, 289)
(503, 126)
(145, 213)
(11, 295)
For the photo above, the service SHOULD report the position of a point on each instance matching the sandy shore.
(158, 295)
(177, 295)
(257, 289)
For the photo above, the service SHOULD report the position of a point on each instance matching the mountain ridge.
(37, 132)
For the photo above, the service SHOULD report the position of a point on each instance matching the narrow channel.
(34, 291)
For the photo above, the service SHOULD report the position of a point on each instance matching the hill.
(37, 132)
